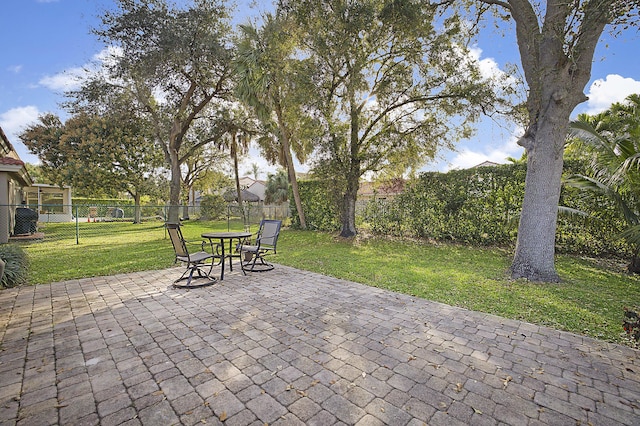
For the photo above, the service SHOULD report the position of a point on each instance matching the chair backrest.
(175, 234)
(268, 233)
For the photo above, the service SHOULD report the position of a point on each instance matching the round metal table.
(222, 236)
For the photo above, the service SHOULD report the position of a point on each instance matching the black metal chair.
(195, 261)
(266, 241)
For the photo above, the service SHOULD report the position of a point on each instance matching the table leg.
(222, 264)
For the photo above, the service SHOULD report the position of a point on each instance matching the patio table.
(222, 237)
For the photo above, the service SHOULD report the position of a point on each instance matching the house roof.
(11, 163)
(486, 164)
(232, 195)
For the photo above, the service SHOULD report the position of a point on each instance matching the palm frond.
(568, 211)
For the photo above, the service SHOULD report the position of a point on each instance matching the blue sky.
(47, 42)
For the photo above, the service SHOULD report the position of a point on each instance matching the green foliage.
(16, 265)
(400, 54)
(610, 142)
(478, 206)
(277, 188)
(475, 206)
(87, 201)
(320, 204)
(212, 207)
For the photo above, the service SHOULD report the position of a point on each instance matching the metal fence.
(71, 222)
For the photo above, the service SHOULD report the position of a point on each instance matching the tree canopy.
(393, 83)
(103, 155)
(173, 62)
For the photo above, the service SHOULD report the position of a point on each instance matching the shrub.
(631, 323)
(16, 265)
(212, 207)
(320, 203)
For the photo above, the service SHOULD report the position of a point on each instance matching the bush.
(321, 205)
(212, 207)
(16, 265)
(631, 323)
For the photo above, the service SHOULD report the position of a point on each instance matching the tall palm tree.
(277, 188)
(612, 141)
(264, 72)
(238, 136)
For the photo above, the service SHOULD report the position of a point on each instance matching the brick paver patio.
(292, 347)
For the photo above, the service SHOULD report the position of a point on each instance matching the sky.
(45, 43)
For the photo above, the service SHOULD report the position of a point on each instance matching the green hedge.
(478, 206)
(320, 204)
(84, 201)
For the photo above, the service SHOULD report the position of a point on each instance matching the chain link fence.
(73, 222)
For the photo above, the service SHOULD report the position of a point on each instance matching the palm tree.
(277, 188)
(264, 77)
(612, 141)
(237, 139)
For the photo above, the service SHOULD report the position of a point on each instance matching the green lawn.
(589, 301)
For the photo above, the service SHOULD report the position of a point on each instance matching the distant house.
(13, 179)
(386, 190)
(485, 164)
(51, 202)
(255, 187)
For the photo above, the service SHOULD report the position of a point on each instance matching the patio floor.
(292, 347)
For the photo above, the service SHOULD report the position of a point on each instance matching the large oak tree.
(557, 40)
(394, 84)
(174, 62)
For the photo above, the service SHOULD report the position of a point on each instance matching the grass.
(589, 301)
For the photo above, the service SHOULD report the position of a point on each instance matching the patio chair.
(266, 241)
(196, 260)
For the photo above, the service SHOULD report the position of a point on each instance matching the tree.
(266, 73)
(99, 155)
(174, 62)
(240, 128)
(255, 171)
(611, 142)
(277, 188)
(391, 88)
(557, 41)
(196, 168)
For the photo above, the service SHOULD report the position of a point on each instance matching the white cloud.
(64, 81)
(604, 92)
(71, 78)
(15, 69)
(467, 157)
(489, 68)
(13, 122)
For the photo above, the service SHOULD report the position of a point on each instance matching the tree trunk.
(234, 155)
(534, 257)
(137, 210)
(348, 215)
(349, 207)
(353, 175)
(185, 210)
(291, 170)
(174, 188)
(557, 67)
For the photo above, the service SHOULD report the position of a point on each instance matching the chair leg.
(262, 267)
(191, 269)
